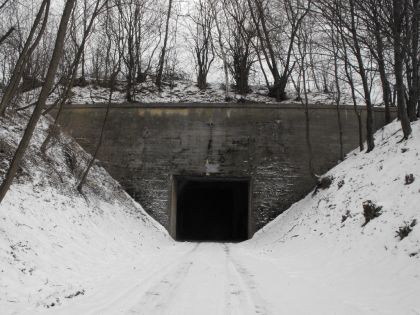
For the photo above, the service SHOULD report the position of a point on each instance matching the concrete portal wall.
(146, 145)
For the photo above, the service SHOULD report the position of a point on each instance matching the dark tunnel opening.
(212, 210)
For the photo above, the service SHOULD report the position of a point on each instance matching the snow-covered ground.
(64, 253)
(184, 91)
(321, 243)
(56, 244)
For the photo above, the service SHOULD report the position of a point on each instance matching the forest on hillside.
(337, 47)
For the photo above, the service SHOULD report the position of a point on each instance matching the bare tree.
(335, 43)
(24, 57)
(163, 52)
(362, 72)
(3, 4)
(282, 31)
(241, 33)
(10, 30)
(343, 15)
(72, 73)
(201, 33)
(215, 13)
(398, 10)
(113, 77)
(134, 27)
(115, 59)
(376, 21)
(349, 75)
(49, 81)
(6, 35)
(302, 40)
(413, 55)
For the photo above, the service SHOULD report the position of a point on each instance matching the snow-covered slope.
(184, 91)
(324, 240)
(55, 243)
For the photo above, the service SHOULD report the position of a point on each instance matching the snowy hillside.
(184, 91)
(55, 244)
(324, 240)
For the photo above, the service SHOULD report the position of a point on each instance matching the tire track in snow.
(235, 301)
(243, 288)
(158, 297)
(119, 303)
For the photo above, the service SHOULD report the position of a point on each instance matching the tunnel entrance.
(211, 209)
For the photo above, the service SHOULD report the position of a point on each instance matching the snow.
(64, 253)
(56, 244)
(184, 91)
(368, 268)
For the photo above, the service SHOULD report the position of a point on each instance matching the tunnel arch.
(211, 208)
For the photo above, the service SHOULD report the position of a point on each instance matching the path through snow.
(216, 278)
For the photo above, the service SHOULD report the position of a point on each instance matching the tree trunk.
(201, 79)
(222, 50)
(73, 73)
(49, 81)
(308, 129)
(267, 83)
(267, 49)
(398, 68)
(83, 61)
(5, 36)
(386, 90)
(414, 86)
(3, 4)
(24, 56)
(335, 41)
(353, 95)
(101, 137)
(165, 42)
(362, 72)
(302, 53)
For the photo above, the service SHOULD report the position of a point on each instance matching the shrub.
(405, 230)
(409, 179)
(370, 211)
(345, 216)
(323, 182)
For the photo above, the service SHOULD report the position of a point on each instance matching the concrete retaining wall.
(146, 145)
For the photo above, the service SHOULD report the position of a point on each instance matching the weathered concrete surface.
(146, 145)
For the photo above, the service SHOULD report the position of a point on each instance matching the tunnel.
(212, 210)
